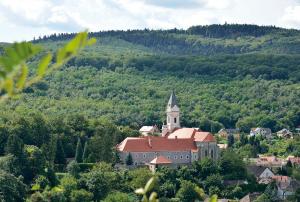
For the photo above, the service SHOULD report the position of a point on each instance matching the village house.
(224, 133)
(262, 174)
(264, 132)
(295, 161)
(285, 186)
(149, 130)
(174, 146)
(285, 133)
(270, 161)
(250, 197)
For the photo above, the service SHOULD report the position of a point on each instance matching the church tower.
(173, 112)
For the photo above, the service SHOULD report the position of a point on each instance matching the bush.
(81, 196)
(118, 196)
(73, 168)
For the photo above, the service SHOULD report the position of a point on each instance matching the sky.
(25, 19)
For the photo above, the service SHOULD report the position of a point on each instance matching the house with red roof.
(174, 146)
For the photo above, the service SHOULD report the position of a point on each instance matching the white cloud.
(35, 17)
(291, 17)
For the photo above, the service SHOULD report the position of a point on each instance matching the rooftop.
(160, 160)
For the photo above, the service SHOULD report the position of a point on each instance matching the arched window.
(206, 153)
(212, 154)
(175, 120)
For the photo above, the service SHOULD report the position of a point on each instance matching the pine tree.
(129, 160)
(79, 152)
(60, 157)
(86, 151)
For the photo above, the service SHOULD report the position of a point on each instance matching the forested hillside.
(128, 75)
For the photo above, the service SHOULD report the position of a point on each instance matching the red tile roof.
(280, 178)
(295, 160)
(153, 144)
(161, 160)
(187, 133)
(204, 137)
(183, 133)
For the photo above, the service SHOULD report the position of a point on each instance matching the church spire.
(173, 113)
(173, 100)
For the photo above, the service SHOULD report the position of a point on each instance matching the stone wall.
(140, 158)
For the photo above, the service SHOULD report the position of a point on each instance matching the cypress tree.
(15, 146)
(86, 151)
(79, 152)
(60, 157)
(230, 140)
(129, 160)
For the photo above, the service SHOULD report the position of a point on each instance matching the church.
(172, 146)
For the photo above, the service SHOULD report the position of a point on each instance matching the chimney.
(149, 141)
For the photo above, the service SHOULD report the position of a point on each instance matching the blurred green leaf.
(23, 76)
(44, 65)
(153, 197)
(9, 86)
(140, 191)
(150, 184)
(213, 198)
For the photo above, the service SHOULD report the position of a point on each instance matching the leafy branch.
(14, 70)
(146, 191)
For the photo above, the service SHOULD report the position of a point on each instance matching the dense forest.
(127, 79)
(225, 76)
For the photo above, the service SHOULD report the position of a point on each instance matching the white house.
(264, 132)
(263, 174)
(285, 133)
(149, 130)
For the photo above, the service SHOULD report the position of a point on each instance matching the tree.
(118, 196)
(11, 188)
(128, 159)
(139, 177)
(187, 192)
(15, 146)
(230, 140)
(232, 165)
(60, 157)
(73, 168)
(205, 167)
(213, 180)
(10, 164)
(79, 152)
(262, 198)
(81, 195)
(69, 184)
(100, 180)
(86, 152)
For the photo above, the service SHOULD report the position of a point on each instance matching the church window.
(212, 153)
(175, 120)
(181, 157)
(206, 153)
(169, 157)
(136, 155)
(144, 155)
(187, 157)
(175, 157)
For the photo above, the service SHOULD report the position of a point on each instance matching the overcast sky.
(24, 19)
